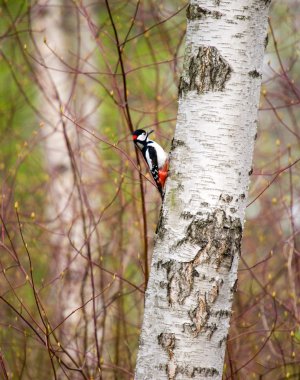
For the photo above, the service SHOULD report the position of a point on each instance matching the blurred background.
(79, 210)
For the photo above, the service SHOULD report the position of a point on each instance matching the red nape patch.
(134, 137)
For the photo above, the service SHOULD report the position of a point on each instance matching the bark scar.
(167, 342)
(204, 71)
(195, 12)
(218, 238)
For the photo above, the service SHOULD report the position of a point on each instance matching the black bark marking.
(234, 287)
(222, 341)
(242, 17)
(254, 74)
(238, 35)
(226, 198)
(186, 215)
(195, 12)
(206, 71)
(163, 285)
(160, 228)
(176, 143)
(266, 2)
(223, 313)
(211, 330)
(192, 372)
(266, 40)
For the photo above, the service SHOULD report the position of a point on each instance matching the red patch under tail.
(163, 173)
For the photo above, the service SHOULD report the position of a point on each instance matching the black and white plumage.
(154, 155)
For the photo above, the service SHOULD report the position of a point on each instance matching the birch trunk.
(194, 267)
(63, 41)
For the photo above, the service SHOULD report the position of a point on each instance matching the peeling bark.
(198, 243)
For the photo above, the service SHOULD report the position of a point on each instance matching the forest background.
(79, 210)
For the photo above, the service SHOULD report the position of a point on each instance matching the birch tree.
(198, 242)
(64, 48)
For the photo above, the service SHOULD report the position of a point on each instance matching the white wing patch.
(161, 154)
(148, 159)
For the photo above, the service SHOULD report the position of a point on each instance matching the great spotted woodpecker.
(155, 157)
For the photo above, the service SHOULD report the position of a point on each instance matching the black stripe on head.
(140, 136)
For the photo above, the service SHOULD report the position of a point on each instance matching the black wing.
(154, 167)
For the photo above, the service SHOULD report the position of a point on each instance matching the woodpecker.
(155, 157)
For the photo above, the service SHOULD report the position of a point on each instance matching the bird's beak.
(149, 133)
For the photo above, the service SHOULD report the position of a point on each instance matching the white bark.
(57, 39)
(194, 267)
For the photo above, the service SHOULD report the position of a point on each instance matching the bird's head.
(140, 137)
